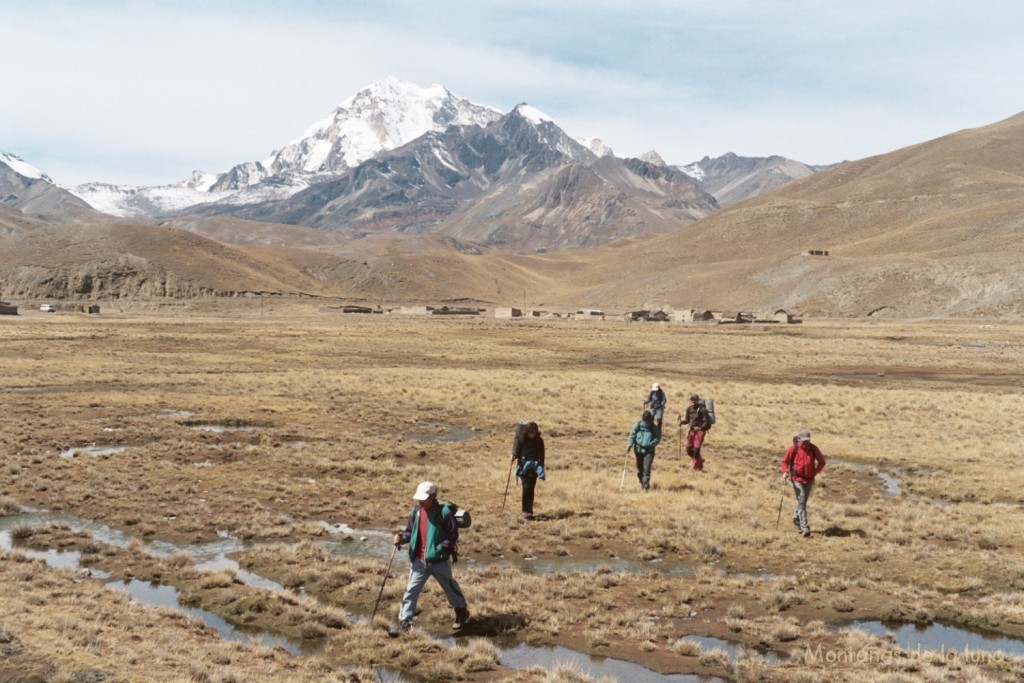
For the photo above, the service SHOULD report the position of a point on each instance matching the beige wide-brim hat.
(425, 490)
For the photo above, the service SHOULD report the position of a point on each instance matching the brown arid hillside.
(122, 260)
(930, 230)
(13, 222)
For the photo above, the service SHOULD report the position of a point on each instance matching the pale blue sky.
(145, 92)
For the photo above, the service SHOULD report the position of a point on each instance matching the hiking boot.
(461, 618)
(527, 515)
(806, 533)
(400, 628)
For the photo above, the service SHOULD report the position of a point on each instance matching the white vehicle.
(48, 308)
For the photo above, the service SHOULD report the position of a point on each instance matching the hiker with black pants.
(529, 454)
(656, 399)
(699, 423)
(643, 439)
(802, 463)
(432, 536)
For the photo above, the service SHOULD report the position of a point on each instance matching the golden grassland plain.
(265, 423)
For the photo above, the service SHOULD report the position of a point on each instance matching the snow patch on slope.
(22, 168)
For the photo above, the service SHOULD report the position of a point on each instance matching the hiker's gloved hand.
(540, 471)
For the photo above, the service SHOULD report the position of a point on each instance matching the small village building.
(416, 310)
(445, 310)
(816, 252)
(733, 317)
(91, 309)
(8, 309)
(658, 317)
(691, 315)
(506, 312)
(783, 315)
(589, 314)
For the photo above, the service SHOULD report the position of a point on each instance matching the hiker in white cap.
(801, 465)
(432, 536)
(656, 399)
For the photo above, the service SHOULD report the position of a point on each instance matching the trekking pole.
(387, 572)
(679, 438)
(782, 495)
(508, 481)
(623, 481)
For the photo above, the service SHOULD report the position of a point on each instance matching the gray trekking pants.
(419, 572)
(803, 492)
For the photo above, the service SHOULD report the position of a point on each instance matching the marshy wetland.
(250, 465)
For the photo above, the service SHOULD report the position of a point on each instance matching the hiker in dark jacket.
(699, 423)
(643, 439)
(529, 454)
(802, 463)
(656, 399)
(432, 536)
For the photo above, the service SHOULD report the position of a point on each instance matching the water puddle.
(889, 481)
(168, 412)
(732, 650)
(95, 451)
(940, 637)
(221, 428)
(375, 544)
(523, 656)
(440, 431)
(158, 595)
(208, 556)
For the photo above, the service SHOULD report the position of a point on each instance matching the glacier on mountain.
(378, 118)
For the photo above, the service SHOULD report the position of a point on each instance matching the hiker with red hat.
(432, 535)
(801, 465)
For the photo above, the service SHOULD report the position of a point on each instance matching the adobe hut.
(456, 310)
(783, 315)
(506, 312)
(8, 309)
(589, 314)
(416, 310)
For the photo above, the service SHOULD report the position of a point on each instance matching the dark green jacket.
(442, 533)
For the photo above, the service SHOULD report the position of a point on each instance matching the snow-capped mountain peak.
(380, 117)
(22, 168)
(597, 146)
(532, 114)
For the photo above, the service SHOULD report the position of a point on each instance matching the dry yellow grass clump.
(271, 429)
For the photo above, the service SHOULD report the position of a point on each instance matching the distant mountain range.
(463, 212)
(399, 157)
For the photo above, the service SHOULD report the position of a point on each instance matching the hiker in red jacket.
(801, 465)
